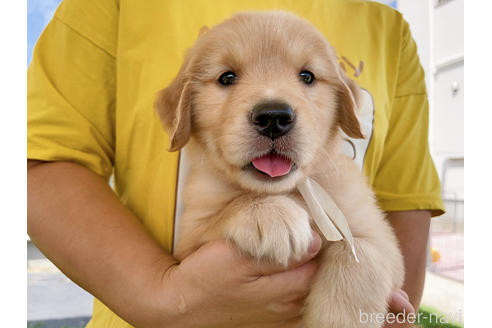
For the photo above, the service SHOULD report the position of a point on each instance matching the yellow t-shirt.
(99, 63)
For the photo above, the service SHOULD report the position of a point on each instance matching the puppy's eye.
(227, 78)
(306, 77)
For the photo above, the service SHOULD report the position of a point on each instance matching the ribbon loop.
(326, 214)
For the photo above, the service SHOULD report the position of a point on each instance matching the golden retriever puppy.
(259, 103)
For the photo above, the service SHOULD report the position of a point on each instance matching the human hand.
(399, 304)
(217, 286)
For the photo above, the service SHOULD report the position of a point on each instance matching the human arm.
(412, 231)
(78, 222)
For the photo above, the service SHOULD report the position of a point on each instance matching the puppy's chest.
(205, 199)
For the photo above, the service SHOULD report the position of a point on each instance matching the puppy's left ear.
(348, 98)
(173, 104)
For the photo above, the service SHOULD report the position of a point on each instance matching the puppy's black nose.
(272, 119)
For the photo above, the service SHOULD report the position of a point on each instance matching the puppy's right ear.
(173, 104)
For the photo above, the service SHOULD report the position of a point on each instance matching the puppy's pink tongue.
(273, 165)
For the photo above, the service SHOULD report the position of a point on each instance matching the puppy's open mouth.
(272, 165)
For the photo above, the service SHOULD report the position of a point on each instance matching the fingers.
(284, 289)
(287, 290)
(403, 293)
(223, 252)
(220, 272)
(262, 268)
(313, 250)
(399, 302)
(288, 285)
(296, 281)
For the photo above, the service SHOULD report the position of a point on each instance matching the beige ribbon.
(325, 213)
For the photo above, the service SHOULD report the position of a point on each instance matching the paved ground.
(60, 323)
(54, 296)
(445, 295)
(53, 301)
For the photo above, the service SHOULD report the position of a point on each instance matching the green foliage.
(428, 317)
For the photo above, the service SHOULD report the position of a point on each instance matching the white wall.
(448, 29)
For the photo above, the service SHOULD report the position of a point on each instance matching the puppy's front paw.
(273, 227)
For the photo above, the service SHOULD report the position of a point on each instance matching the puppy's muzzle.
(272, 119)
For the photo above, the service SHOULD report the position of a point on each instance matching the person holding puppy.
(90, 116)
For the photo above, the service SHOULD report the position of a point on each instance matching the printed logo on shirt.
(357, 148)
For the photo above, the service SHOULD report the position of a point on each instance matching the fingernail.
(315, 245)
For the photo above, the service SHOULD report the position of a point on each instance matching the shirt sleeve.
(71, 87)
(406, 178)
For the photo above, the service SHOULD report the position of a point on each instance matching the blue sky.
(39, 13)
(391, 3)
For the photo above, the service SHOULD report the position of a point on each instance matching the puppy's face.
(263, 95)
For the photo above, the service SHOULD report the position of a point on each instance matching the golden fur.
(267, 218)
